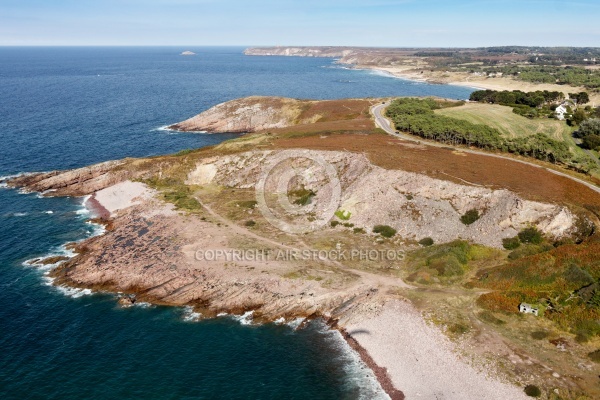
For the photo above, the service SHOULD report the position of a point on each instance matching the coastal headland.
(395, 266)
(496, 68)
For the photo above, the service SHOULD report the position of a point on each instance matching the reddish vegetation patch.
(337, 110)
(501, 302)
(360, 125)
(348, 115)
(448, 164)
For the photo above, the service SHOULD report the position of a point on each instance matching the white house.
(528, 309)
(561, 111)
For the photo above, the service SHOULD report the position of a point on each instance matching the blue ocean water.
(68, 107)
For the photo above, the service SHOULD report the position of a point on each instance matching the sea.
(67, 107)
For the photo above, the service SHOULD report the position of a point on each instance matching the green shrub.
(469, 217)
(533, 391)
(250, 223)
(182, 197)
(595, 356)
(301, 197)
(384, 230)
(447, 265)
(539, 335)
(531, 235)
(334, 223)
(526, 250)
(184, 152)
(576, 275)
(511, 243)
(458, 328)
(343, 215)
(585, 330)
(426, 242)
(348, 224)
(359, 230)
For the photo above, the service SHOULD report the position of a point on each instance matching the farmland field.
(507, 122)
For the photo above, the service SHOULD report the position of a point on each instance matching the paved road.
(382, 122)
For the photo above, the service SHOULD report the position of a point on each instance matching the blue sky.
(408, 23)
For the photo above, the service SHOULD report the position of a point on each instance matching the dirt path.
(368, 278)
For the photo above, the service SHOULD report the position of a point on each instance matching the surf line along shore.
(106, 204)
(408, 356)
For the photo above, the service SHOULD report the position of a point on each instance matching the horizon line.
(296, 45)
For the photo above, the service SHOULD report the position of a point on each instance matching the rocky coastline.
(149, 251)
(168, 218)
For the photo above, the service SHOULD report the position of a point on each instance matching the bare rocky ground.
(249, 114)
(415, 205)
(152, 251)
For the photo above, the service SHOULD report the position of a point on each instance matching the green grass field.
(507, 122)
(512, 125)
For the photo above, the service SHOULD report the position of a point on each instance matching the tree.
(592, 142)
(578, 117)
(583, 98)
(531, 235)
(588, 127)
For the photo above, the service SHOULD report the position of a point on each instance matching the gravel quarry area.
(416, 205)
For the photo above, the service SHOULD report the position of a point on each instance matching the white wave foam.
(44, 193)
(244, 319)
(48, 280)
(19, 214)
(142, 304)
(49, 212)
(84, 210)
(72, 292)
(279, 321)
(60, 251)
(3, 185)
(189, 315)
(9, 177)
(359, 377)
(170, 131)
(97, 229)
(295, 323)
(222, 314)
(334, 66)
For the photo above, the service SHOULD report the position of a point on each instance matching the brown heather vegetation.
(449, 164)
(556, 280)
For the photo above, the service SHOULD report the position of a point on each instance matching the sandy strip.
(420, 360)
(479, 82)
(118, 197)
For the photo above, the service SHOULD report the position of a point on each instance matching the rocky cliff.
(76, 182)
(346, 55)
(154, 252)
(245, 115)
(299, 51)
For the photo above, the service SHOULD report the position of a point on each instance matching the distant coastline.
(403, 63)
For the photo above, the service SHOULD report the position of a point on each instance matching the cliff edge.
(249, 114)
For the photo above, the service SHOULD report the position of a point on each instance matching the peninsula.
(422, 264)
